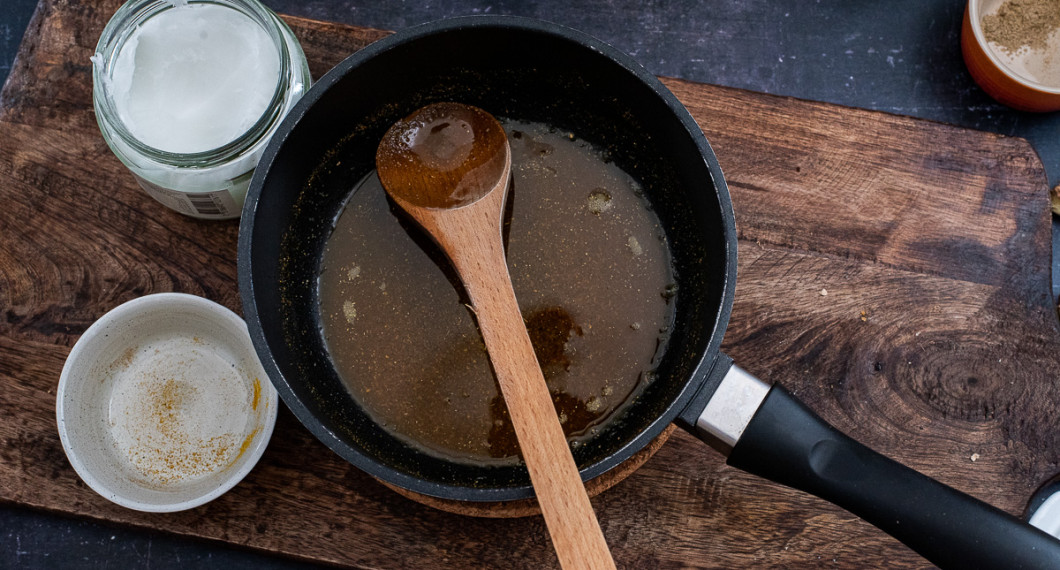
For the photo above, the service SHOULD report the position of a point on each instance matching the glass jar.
(183, 163)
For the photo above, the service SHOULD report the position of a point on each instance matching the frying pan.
(535, 71)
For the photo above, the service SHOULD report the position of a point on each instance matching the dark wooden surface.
(936, 342)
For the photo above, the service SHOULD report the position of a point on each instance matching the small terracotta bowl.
(996, 76)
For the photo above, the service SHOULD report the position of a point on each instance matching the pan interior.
(523, 72)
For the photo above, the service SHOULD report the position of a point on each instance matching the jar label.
(214, 205)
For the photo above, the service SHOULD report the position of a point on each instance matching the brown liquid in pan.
(590, 268)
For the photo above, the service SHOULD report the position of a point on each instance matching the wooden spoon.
(448, 166)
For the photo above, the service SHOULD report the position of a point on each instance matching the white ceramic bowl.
(163, 405)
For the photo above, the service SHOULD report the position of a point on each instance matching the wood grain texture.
(936, 342)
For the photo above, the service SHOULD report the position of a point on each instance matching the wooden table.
(893, 273)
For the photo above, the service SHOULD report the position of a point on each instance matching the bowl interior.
(124, 399)
(1023, 66)
(515, 69)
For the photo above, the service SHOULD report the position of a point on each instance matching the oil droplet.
(599, 201)
(634, 246)
(350, 311)
(353, 272)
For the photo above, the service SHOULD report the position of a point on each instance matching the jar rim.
(134, 13)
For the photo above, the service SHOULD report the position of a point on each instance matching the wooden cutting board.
(893, 273)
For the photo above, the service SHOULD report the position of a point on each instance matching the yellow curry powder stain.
(257, 394)
(246, 444)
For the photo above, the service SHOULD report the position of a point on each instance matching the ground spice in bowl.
(1023, 23)
(1024, 34)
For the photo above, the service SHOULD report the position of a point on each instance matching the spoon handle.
(571, 522)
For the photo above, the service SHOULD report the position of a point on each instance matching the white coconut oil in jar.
(188, 93)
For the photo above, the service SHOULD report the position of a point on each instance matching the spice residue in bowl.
(1025, 36)
(180, 409)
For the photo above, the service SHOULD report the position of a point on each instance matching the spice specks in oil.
(586, 259)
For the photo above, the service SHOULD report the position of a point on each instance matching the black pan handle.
(789, 444)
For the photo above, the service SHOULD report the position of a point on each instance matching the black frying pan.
(535, 71)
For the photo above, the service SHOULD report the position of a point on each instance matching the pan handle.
(785, 442)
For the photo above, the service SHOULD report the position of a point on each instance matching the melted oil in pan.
(590, 268)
